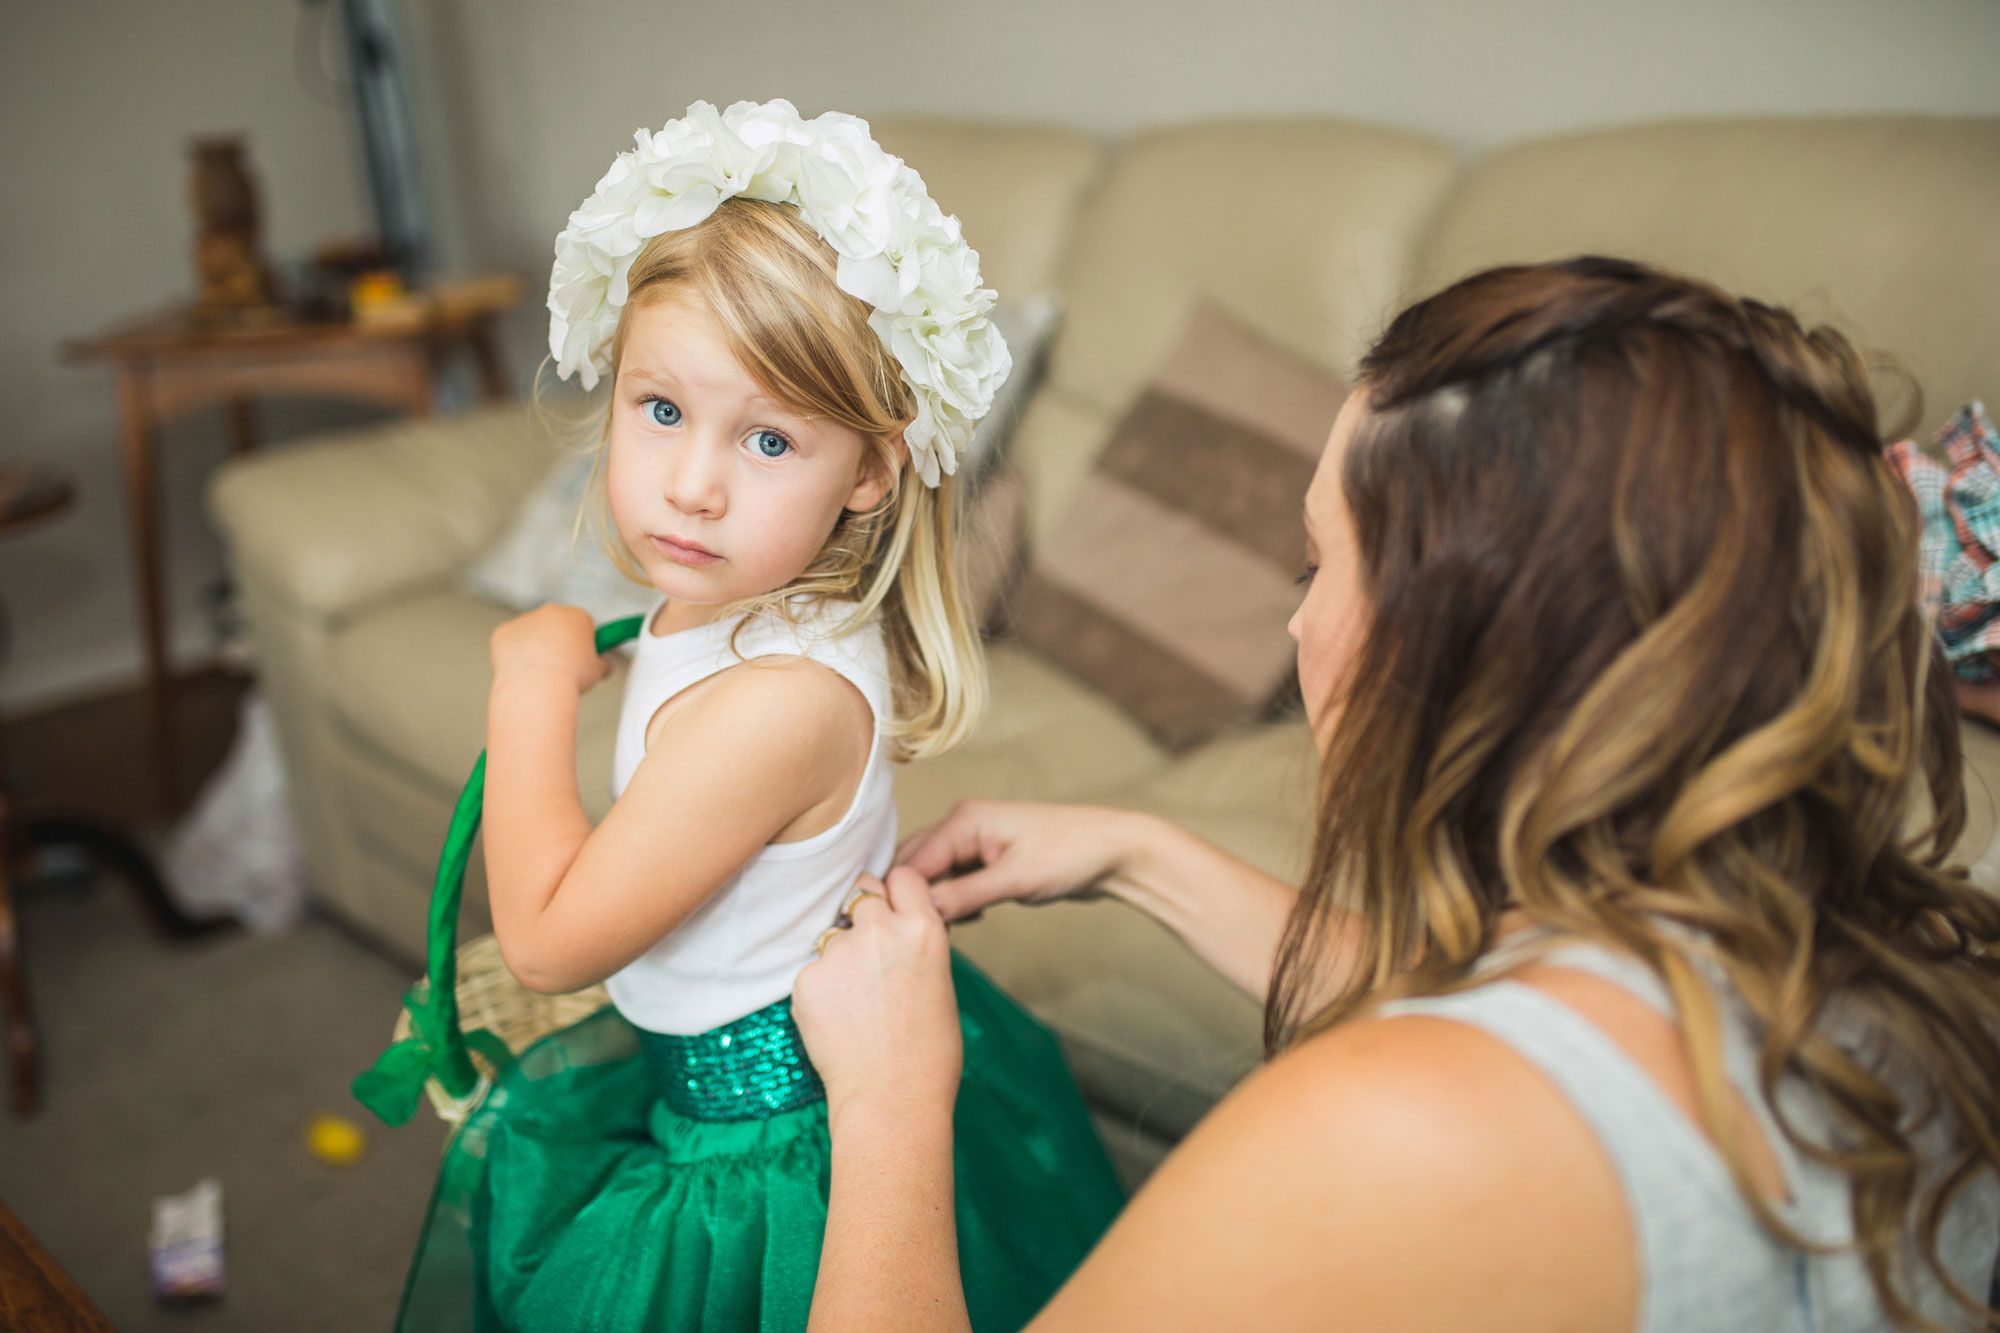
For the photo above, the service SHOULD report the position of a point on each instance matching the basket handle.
(438, 1047)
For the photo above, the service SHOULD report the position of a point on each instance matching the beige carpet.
(165, 1063)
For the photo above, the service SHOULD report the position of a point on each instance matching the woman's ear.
(880, 465)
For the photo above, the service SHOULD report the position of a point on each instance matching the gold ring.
(819, 945)
(845, 916)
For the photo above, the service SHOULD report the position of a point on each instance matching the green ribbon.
(438, 1047)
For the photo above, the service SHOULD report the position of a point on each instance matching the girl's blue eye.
(662, 412)
(770, 444)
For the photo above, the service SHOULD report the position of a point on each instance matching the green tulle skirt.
(578, 1197)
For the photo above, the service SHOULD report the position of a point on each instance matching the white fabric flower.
(896, 250)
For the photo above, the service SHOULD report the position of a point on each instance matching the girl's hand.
(561, 640)
(986, 852)
(877, 1011)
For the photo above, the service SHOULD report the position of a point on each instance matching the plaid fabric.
(1927, 479)
(1960, 500)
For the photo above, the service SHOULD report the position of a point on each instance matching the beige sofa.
(349, 549)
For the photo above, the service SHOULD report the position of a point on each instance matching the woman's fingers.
(970, 894)
(876, 1010)
(908, 891)
(961, 838)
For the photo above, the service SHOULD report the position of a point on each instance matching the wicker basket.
(489, 997)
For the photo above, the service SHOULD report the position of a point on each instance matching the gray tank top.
(1704, 1261)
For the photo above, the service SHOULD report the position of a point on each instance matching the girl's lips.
(686, 553)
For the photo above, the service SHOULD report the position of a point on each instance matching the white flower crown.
(897, 251)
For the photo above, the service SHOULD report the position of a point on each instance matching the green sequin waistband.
(751, 1069)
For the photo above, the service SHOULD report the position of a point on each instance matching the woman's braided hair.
(1645, 662)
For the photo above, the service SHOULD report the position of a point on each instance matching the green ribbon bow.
(438, 1047)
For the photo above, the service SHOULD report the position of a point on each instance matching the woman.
(1618, 995)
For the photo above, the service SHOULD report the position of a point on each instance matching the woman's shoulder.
(1410, 1172)
(1438, 1107)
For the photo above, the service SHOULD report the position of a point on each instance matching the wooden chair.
(29, 497)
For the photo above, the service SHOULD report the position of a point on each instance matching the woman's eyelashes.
(1306, 576)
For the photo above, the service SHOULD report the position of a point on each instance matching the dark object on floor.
(115, 852)
(28, 496)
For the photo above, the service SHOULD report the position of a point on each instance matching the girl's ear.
(879, 468)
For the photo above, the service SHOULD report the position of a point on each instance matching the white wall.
(100, 100)
(527, 101)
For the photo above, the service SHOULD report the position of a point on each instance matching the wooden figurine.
(229, 265)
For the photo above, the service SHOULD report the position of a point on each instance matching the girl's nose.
(696, 482)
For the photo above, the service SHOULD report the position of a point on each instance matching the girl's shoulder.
(831, 633)
(819, 629)
(802, 664)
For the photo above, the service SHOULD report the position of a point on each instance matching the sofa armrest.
(352, 519)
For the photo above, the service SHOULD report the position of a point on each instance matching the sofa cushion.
(1258, 780)
(410, 682)
(1044, 737)
(1879, 225)
(1152, 1033)
(992, 543)
(1979, 845)
(1156, 1036)
(1308, 239)
(1013, 188)
(1168, 584)
(359, 518)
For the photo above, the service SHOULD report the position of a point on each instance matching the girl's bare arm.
(764, 747)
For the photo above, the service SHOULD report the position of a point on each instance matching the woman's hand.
(986, 852)
(877, 1011)
(554, 639)
(1226, 910)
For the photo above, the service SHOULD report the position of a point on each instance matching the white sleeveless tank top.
(742, 949)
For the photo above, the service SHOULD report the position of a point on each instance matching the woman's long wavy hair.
(769, 280)
(1645, 662)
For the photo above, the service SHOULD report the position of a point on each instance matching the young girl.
(796, 346)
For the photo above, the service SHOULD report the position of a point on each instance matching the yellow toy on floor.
(334, 1140)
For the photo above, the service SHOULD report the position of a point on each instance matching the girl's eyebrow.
(664, 380)
(651, 376)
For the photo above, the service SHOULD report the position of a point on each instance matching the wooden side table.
(170, 362)
(35, 1293)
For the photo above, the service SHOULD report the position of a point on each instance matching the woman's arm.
(1398, 1175)
(1228, 911)
(723, 775)
(880, 1008)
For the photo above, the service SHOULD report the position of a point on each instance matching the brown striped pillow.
(1168, 583)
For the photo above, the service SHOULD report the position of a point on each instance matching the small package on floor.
(186, 1244)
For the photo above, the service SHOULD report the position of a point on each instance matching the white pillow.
(536, 560)
(1027, 326)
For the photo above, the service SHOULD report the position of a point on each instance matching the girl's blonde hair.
(768, 281)
(1646, 663)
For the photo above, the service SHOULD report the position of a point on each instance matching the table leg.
(23, 1049)
(486, 354)
(242, 426)
(143, 506)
